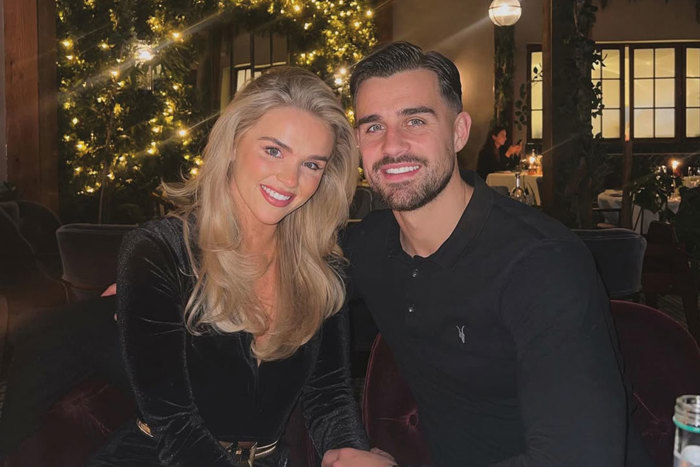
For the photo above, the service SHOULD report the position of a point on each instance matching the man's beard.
(411, 194)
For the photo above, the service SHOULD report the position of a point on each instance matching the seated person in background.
(230, 311)
(494, 156)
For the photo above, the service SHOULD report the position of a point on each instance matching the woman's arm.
(153, 337)
(332, 415)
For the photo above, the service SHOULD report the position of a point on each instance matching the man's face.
(408, 137)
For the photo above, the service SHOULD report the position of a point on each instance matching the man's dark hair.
(395, 57)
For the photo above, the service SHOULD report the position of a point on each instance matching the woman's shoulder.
(166, 232)
(164, 229)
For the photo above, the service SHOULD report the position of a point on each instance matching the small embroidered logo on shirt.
(461, 333)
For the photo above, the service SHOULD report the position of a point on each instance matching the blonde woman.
(229, 311)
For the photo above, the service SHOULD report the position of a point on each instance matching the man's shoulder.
(368, 233)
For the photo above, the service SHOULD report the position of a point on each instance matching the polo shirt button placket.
(414, 273)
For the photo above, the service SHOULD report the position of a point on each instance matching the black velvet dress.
(195, 390)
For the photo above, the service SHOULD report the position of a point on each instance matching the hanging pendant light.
(505, 12)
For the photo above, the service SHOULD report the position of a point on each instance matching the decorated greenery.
(130, 113)
(504, 58)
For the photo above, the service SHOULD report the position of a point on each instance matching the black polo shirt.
(503, 335)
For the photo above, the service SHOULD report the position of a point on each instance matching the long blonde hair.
(310, 288)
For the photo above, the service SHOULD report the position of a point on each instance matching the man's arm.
(570, 386)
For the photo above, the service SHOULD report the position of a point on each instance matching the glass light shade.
(505, 12)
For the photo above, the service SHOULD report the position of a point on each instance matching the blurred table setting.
(507, 179)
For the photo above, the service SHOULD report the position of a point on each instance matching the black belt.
(244, 452)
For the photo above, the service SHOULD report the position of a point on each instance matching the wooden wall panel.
(31, 163)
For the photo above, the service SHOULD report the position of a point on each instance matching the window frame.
(680, 142)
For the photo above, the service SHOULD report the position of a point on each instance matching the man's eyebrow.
(417, 110)
(368, 119)
(277, 142)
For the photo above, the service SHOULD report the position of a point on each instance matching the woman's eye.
(273, 151)
(312, 165)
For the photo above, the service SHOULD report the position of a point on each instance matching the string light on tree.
(128, 105)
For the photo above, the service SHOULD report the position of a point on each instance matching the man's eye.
(273, 151)
(373, 128)
(415, 122)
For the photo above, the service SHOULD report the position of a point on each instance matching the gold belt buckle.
(244, 452)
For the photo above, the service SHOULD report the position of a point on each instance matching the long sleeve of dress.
(570, 389)
(331, 413)
(153, 337)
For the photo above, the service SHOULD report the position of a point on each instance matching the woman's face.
(278, 165)
(499, 139)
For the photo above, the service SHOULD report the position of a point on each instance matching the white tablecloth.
(612, 199)
(507, 179)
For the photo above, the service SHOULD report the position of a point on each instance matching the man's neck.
(424, 230)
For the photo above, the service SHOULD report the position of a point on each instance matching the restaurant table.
(691, 181)
(612, 199)
(507, 179)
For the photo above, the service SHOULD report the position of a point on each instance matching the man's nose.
(394, 143)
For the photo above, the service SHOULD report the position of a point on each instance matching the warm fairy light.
(182, 132)
(144, 54)
(75, 121)
(674, 164)
(343, 71)
(67, 43)
(338, 81)
(103, 45)
(176, 35)
(369, 13)
(114, 73)
(69, 57)
(80, 146)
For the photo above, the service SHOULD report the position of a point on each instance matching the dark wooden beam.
(559, 119)
(30, 83)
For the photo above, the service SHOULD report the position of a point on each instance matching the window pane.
(262, 50)
(611, 123)
(665, 93)
(665, 63)
(692, 123)
(225, 87)
(643, 63)
(643, 93)
(595, 71)
(242, 78)
(644, 123)
(611, 93)
(596, 122)
(536, 60)
(692, 92)
(279, 48)
(536, 96)
(692, 63)
(611, 60)
(536, 124)
(665, 123)
(241, 49)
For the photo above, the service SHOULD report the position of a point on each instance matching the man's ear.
(462, 125)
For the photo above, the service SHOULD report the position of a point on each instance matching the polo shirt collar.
(467, 229)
